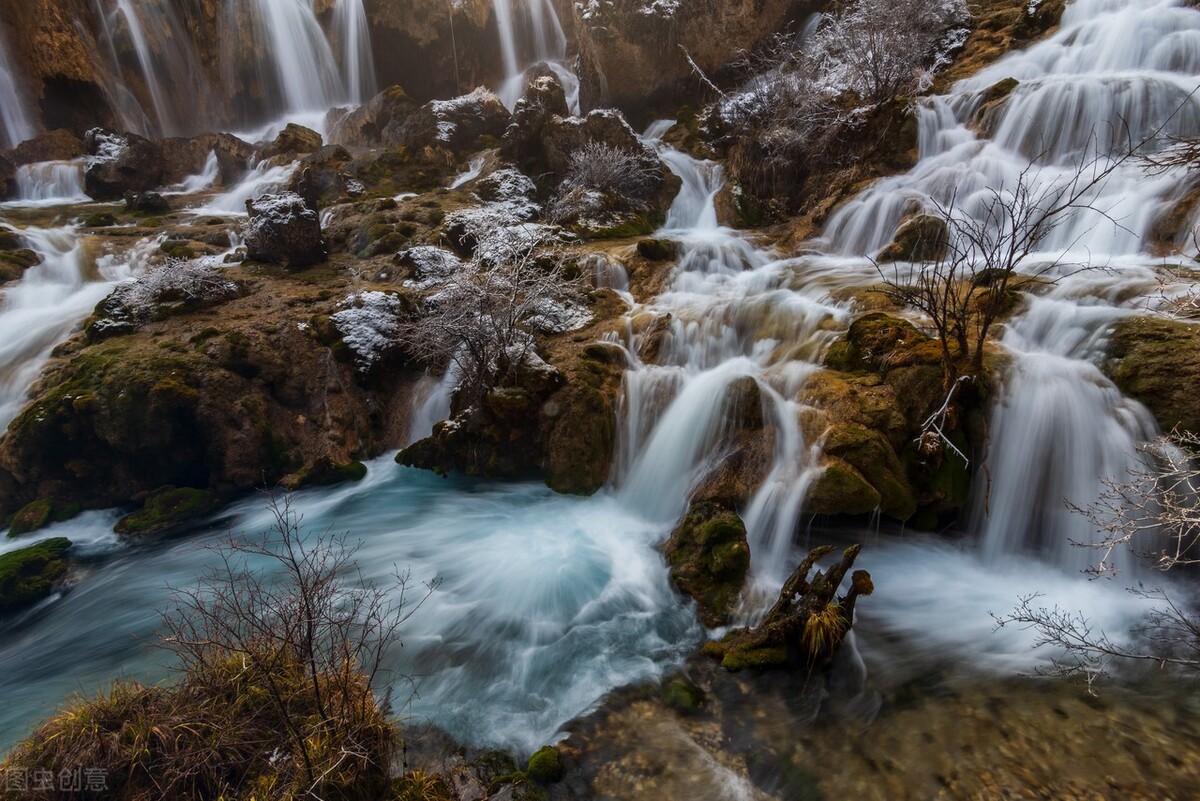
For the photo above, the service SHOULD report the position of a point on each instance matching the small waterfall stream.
(17, 126)
(531, 35)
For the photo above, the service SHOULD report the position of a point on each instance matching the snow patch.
(369, 324)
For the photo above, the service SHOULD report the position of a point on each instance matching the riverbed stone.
(30, 574)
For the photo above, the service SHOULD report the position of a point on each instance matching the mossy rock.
(30, 574)
(1157, 361)
(920, 238)
(842, 490)
(872, 456)
(657, 249)
(166, 509)
(545, 766)
(31, 517)
(326, 474)
(999, 90)
(737, 659)
(683, 696)
(99, 220)
(879, 342)
(709, 558)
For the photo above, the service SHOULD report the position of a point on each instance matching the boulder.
(709, 559)
(922, 237)
(283, 230)
(1157, 361)
(363, 127)
(184, 157)
(146, 203)
(321, 178)
(167, 509)
(294, 140)
(544, 101)
(463, 124)
(31, 574)
(56, 145)
(121, 163)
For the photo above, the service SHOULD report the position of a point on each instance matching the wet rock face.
(1157, 362)
(459, 125)
(283, 230)
(121, 163)
(126, 162)
(435, 49)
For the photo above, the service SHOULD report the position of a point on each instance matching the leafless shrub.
(805, 91)
(480, 323)
(879, 51)
(606, 168)
(174, 286)
(277, 647)
(1158, 502)
(962, 282)
(604, 180)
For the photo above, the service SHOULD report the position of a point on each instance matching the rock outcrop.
(283, 230)
(1157, 361)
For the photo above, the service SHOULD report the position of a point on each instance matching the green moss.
(657, 249)
(323, 475)
(1157, 361)
(878, 342)
(736, 659)
(31, 517)
(922, 237)
(30, 574)
(99, 220)
(682, 696)
(165, 509)
(709, 559)
(545, 766)
(999, 90)
(179, 249)
(841, 490)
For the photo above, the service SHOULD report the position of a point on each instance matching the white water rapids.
(549, 602)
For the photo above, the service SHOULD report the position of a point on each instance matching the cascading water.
(50, 183)
(531, 34)
(737, 317)
(46, 304)
(17, 125)
(1115, 72)
(353, 42)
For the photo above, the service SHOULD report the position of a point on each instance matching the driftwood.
(808, 623)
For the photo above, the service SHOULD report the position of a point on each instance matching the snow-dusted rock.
(283, 230)
(369, 324)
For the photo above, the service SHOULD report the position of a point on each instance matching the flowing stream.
(548, 602)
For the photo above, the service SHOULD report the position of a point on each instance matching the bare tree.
(482, 321)
(1158, 502)
(305, 627)
(979, 251)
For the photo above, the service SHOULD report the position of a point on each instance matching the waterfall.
(17, 125)
(41, 309)
(354, 49)
(1114, 72)
(736, 314)
(531, 35)
(51, 183)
